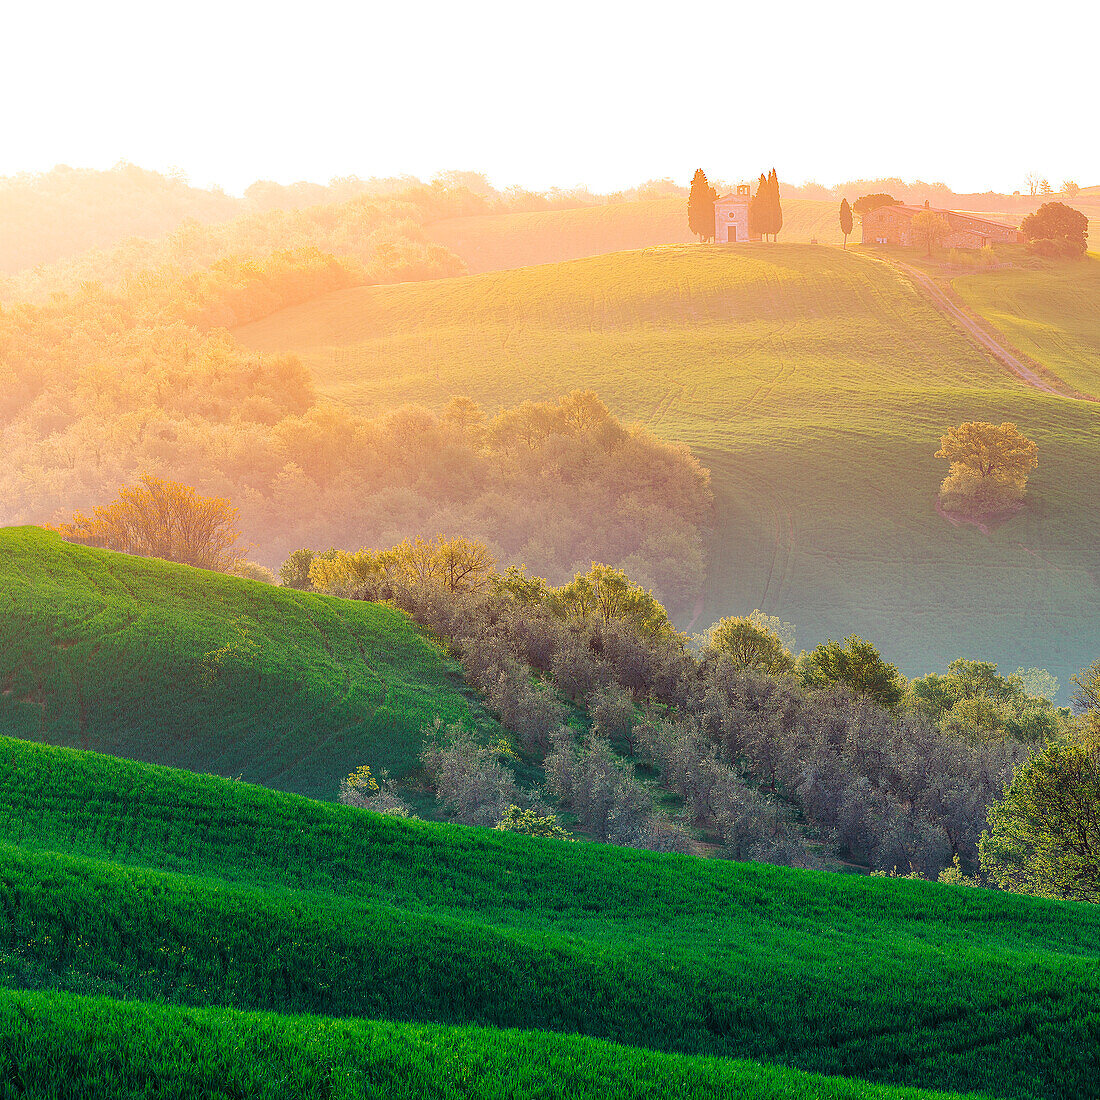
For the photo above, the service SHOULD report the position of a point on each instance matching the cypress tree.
(701, 206)
(758, 210)
(775, 207)
(845, 220)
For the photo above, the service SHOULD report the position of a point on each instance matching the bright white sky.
(974, 92)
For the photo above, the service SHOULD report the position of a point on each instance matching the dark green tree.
(1044, 835)
(701, 206)
(858, 665)
(845, 220)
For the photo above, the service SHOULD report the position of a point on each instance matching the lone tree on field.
(163, 519)
(845, 220)
(989, 467)
(930, 228)
(701, 206)
(1054, 221)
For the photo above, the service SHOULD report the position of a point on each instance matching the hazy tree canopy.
(382, 240)
(701, 206)
(866, 203)
(929, 229)
(845, 220)
(67, 210)
(1044, 836)
(990, 465)
(1057, 222)
(858, 665)
(163, 519)
(101, 387)
(1038, 682)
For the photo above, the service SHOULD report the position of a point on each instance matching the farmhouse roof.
(910, 211)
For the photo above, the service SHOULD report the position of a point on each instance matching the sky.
(973, 93)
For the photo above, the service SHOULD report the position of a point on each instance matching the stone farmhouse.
(894, 225)
(731, 216)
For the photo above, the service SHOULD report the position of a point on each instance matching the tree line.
(802, 759)
(552, 485)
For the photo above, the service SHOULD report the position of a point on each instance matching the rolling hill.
(815, 385)
(497, 242)
(101, 1049)
(138, 902)
(163, 663)
(1051, 312)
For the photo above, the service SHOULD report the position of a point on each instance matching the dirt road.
(979, 335)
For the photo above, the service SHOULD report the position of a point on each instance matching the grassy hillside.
(1052, 313)
(815, 384)
(174, 665)
(99, 1049)
(124, 880)
(497, 242)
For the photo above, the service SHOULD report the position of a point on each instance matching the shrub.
(367, 792)
(1056, 248)
(252, 571)
(953, 875)
(530, 823)
(467, 777)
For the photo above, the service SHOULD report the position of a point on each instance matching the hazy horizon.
(607, 96)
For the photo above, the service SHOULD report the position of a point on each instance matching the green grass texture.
(1051, 313)
(815, 384)
(121, 654)
(60, 1046)
(130, 881)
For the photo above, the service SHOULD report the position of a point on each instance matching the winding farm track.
(980, 335)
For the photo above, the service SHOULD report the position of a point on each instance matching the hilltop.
(125, 881)
(496, 242)
(814, 383)
(164, 663)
